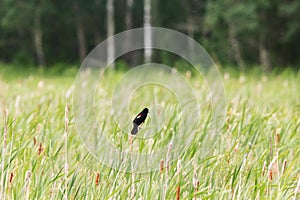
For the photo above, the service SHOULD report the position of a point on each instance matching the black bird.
(138, 120)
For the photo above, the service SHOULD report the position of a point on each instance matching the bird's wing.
(139, 116)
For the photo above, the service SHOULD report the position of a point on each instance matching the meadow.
(42, 156)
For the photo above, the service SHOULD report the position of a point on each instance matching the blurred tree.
(25, 18)
(230, 22)
(110, 31)
(242, 33)
(80, 30)
(147, 32)
(289, 13)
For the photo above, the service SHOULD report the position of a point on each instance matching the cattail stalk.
(66, 150)
(2, 191)
(161, 168)
(178, 172)
(133, 186)
(297, 189)
(132, 189)
(283, 167)
(264, 168)
(196, 182)
(27, 184)
(52, 191)
(167, 170)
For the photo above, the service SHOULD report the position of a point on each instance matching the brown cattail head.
(40, 149)
(161, 166)
(277, 138)
(270, 175)
(264, 168)
(11, 176)
(273, 168)
(283, 166)
(34, 141)
(97, 178)
(178, 192)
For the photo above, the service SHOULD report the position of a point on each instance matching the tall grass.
(258, 156)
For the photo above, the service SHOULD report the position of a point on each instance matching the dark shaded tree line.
(234, 32)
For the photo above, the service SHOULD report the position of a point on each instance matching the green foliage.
(252, 24)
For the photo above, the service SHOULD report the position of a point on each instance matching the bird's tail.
(135, 129)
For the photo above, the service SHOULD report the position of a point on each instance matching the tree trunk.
(147, 32)
(38, 36)
(264, 54)
(128, 17)
(128, 21)
(110, 32)
(79, 31)
(236, 47)
(190, 27)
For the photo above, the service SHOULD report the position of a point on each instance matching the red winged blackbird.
(138, 120)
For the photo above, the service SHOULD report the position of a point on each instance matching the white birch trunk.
(110, 31)
(147, 32)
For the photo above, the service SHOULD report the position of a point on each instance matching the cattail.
(277, 139)
(11, 176)
(167, 169)
(178, 193)
(52, 190)
(161, 166)
(264, 168)
(132, 186)
(283, 166)
(2, 190)
(66, 150)
(274, 165)
(273, 168)
(97, 179)
(34, 141)
(196, 184)
(66, 118)
(131, 142)
(194, 175)
(40, 149)
(178, 167)
(236, 148)
(167, 160)
(271, 147)
(270, 175)
(27, 183)
(178, 174)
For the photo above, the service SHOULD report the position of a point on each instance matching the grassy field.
(258, 156)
